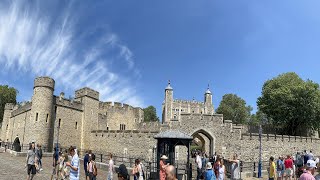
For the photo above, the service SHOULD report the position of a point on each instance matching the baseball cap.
(311, 164)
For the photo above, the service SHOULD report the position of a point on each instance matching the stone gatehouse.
(105, 127)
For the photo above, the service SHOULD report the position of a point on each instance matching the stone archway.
(16, 145)
(207, 140)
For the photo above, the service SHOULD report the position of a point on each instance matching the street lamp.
(260, 152)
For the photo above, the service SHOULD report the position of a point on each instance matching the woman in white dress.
(222, 171)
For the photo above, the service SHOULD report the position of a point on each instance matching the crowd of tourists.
(213, 168)
(301, 166)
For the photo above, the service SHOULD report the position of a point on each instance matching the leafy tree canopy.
(234, 108)
(291, 103)
(7, 95)
(150, 114)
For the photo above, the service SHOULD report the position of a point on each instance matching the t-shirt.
(209, 174)
(288, 163)
(74, 175)
(111, 164)
(306, 176)
(272, 169)
(31, 155)
(280, 165)
(199, 162)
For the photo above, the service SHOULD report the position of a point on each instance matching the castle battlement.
(44, 82)
(68, 103)
(88, 92)
(116, 105)
(21, 109)
(188, 101)
(9, 106)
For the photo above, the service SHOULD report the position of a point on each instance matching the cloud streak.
(43, 43)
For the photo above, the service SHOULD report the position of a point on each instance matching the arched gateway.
(207, 140)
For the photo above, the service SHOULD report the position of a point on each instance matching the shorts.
(86, 173)
(288, 172)
(31, 169)
(280, 173)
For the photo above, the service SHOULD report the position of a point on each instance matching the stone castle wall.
(114, 114)
(70, 126)
(126, 143)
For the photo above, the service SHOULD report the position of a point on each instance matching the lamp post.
(260, 152)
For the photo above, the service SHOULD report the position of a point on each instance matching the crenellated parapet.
(125, 133)
(9, 106)
(21, 109)
(188, 101)
(68, 103)
(44, 82)
(87, 92)
(116, 106)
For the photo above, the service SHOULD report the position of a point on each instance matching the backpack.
(95, 170)
(299, 161)
(279, 165)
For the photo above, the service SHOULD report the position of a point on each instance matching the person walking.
(30, 164)
(74, 165)
(222, 171)
(199, 165)
(280, 168)
(209, 174)
(288, 164)
(85, 163)
(272, 169)
(110, 167)
(163, 166)
(92, 168)
(235, 167)
(39, 155)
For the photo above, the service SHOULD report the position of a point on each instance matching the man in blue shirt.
(74, 165)
(85, 163)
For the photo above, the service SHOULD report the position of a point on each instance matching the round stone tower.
(42, 118)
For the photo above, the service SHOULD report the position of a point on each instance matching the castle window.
(59, 123)
(120, 126)
(36, 116)
(47, 117)
(124, 127)
(55, 109)
(7, 126)
(107, 128)
(76, 127)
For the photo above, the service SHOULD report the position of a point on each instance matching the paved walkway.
(13, 168)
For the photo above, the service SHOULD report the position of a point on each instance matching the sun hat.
(209, 165)
(311, 164)
(164, 157)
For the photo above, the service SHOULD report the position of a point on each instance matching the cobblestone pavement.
(13, 168)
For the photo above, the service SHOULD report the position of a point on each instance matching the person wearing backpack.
(92, 168)
(280, 168)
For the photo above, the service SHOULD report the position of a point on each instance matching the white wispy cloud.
(34, 41)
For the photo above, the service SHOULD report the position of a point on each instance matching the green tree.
(291, 103)
(150, 114)
(7, 95)
(234, 108)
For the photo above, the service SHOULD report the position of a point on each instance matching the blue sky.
(128, 50)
